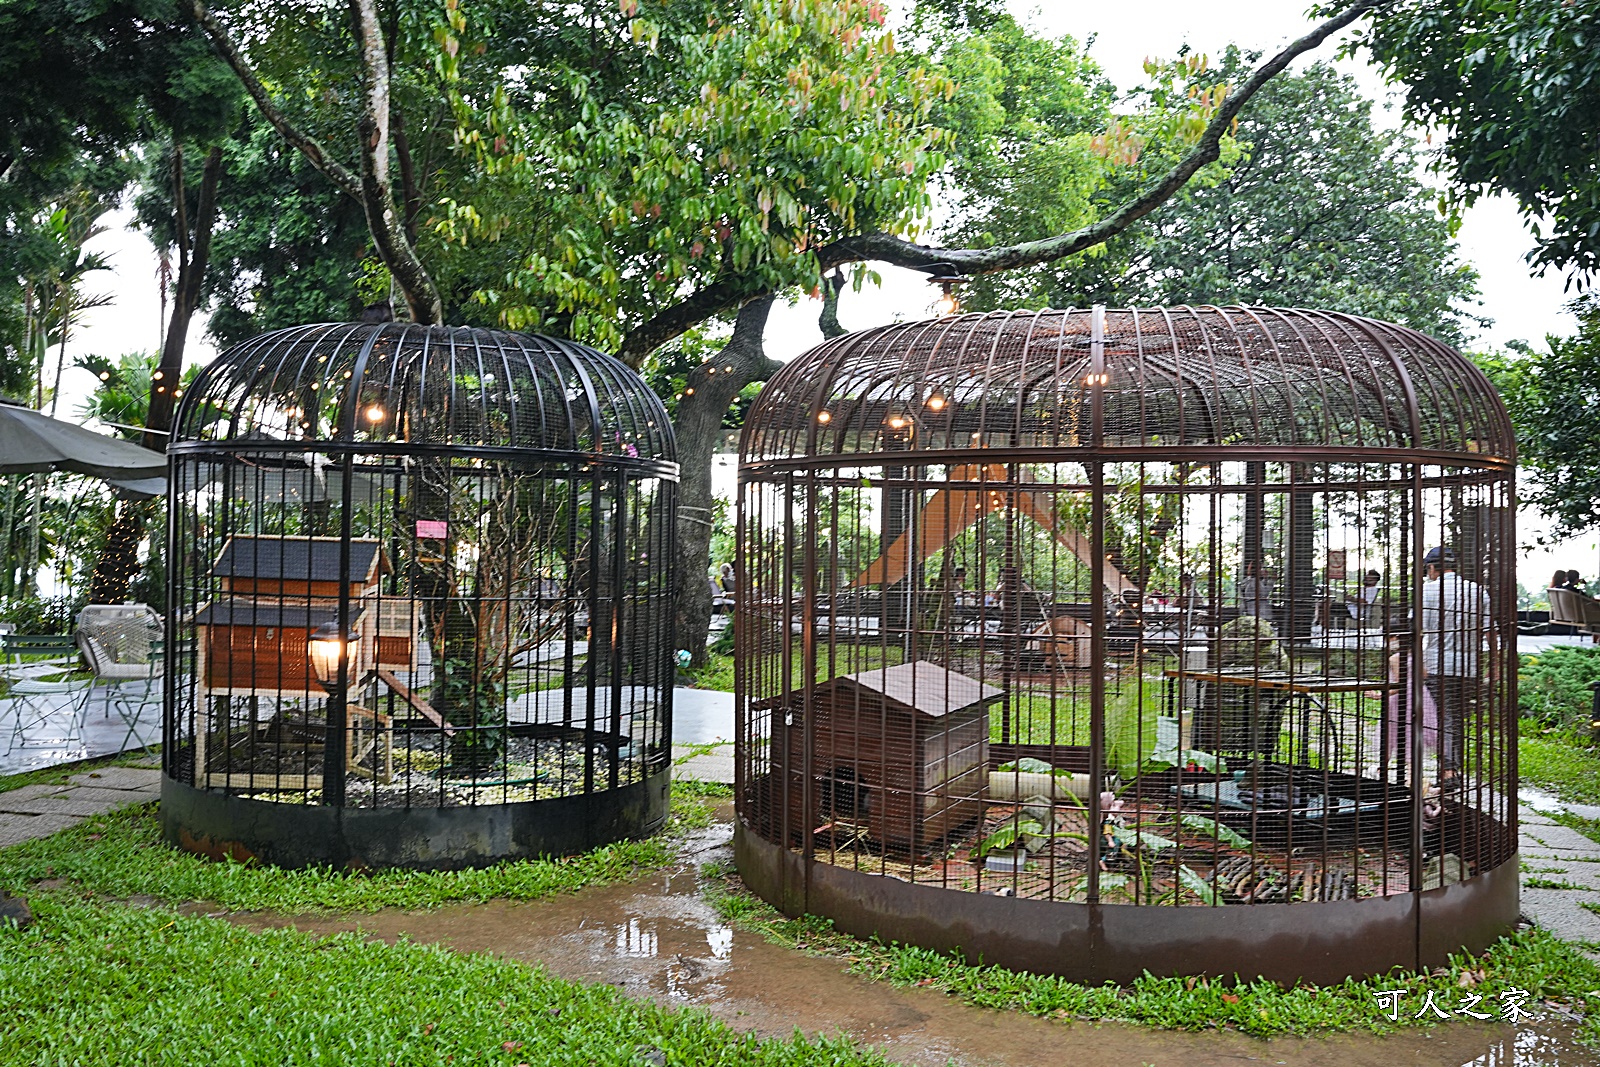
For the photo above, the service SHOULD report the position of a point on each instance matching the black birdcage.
(1097, 642)
(419, 599)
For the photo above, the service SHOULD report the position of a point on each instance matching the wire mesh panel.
(1191, 609)
(421, 571)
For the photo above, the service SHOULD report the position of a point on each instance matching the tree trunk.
(710, 391)
(386, 221)
(114, 571)
(828, 320)
(193, 259)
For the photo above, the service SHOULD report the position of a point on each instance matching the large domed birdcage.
(419, 599)
(1100, 642)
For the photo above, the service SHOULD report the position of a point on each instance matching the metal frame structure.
(1175, 559)
(419, 599)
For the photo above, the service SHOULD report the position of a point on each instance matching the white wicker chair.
(121, 642)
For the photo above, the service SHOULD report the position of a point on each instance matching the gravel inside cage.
(1186, 867)
(529, 769)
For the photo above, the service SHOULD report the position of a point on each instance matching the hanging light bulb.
(948, 303)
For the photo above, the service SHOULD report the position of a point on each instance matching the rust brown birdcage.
(419, 591)
(1100, 642)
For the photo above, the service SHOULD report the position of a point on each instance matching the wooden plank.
(260, 783)
(418, 705)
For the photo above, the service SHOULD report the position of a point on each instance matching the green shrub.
(42, 615)
(1555, 686)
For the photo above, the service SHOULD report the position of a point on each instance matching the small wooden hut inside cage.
(420, 581)
(902, 753)
(1100, 642)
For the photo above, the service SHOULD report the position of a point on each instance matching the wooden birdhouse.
(260, 648)
(900, 754)
(276, 591)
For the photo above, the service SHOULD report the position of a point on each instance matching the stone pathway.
(40, 810)
(704, 763)
(1555, 855)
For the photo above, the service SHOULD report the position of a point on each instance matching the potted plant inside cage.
(1004, 850)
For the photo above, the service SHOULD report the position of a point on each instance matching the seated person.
(1361, 604)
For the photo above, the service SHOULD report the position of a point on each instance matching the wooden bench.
(1572, 608)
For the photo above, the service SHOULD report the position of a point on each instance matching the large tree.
(1514, 87)
(624, 171)
(1552, 398)
(773, 148)
(1319, 209)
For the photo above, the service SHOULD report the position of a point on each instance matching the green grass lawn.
(119, 985)
(1559, 760)
(96, 981)
(122, 855)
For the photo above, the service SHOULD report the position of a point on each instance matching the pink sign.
(433, 528)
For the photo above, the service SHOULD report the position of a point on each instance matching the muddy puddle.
(657, 938)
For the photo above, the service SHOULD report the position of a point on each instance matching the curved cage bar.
(1103, 641)
(419, 599)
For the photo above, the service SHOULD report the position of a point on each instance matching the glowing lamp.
(326, 650)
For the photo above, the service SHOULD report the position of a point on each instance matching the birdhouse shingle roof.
(924, 687)
(267, 613)
(296, 559)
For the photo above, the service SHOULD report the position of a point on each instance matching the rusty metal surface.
(1151, 530)
(1120, 942)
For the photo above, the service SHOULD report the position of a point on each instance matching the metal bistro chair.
(31, 661)
(122, 644)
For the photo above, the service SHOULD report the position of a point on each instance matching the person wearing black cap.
(1455, 614)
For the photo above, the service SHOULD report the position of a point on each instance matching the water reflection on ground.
(657, 939)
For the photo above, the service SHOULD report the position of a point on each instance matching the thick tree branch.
(385, 220)
(298, 139)
(410, 192)
(828, 320)
(724, 294)
(903, 253)
(708, 392)
(194, 256)
(728, 293)
(205, 219)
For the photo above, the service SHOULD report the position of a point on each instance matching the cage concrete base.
(1094, 943)
(423, 838)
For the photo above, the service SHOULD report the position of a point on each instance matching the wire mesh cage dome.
(419, 599)
(1103, 641)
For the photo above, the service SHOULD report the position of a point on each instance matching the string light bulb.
(375, 413)
(948, 303)
(936, 402)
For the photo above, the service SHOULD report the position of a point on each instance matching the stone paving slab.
(55, 805)
(142, 778)
(34, 792)
(1558, 837)
(715, 766)
(1555, 870)
(109, 799)
(15, 829)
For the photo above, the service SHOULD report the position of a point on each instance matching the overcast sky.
(1492, 236)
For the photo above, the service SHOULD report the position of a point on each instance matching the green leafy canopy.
(769, 127)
